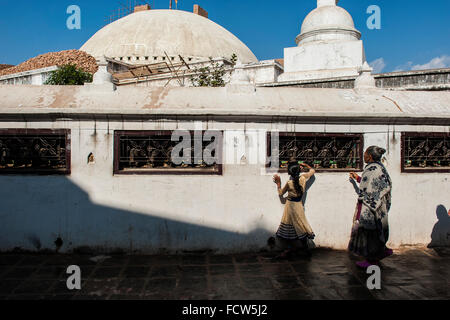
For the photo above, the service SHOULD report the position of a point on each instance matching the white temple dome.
(327, 23)
(145, 36)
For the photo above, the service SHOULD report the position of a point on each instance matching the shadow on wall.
(440, 236)
(308, 185)
(44, 213)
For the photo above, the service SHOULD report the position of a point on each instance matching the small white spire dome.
(328, 22)
(365, 79)
(323, 3)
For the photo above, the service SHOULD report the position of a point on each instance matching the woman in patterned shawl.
(294, 225)
(370, 231)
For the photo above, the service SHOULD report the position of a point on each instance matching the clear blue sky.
(414, 32)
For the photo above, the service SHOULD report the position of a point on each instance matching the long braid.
(294, 172)
(297, 185)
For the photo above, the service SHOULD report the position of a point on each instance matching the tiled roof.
(80, 58)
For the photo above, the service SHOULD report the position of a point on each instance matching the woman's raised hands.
(277, 180)
(354, 176)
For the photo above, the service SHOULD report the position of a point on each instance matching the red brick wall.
(144, 7)
(200, 11)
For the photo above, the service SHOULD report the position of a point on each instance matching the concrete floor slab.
(412, 273)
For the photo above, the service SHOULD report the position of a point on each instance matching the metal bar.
(174, 71)
(181, 58)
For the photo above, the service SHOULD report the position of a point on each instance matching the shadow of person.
(308, 185)
(440, 236)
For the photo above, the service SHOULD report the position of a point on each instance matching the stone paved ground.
(412, 273)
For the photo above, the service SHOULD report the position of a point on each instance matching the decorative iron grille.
(425, 152)
(34, 151)
(150, 152)
(324, 152)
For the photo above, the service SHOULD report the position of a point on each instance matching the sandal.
(387, 253)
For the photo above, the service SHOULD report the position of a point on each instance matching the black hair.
(376, 152)
(294, 172)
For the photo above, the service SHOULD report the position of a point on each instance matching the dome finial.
(323, 3)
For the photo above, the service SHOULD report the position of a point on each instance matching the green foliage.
(69, 75)
(211, 75)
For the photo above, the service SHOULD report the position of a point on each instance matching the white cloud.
(404, 67)
(378, 65)
(435, 63)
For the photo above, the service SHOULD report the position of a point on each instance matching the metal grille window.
(425, 152)
(324, 152)
(29, 151)
(151, 152)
